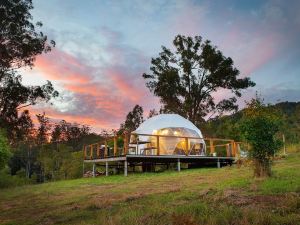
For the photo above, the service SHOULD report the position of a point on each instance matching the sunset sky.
(104, 47)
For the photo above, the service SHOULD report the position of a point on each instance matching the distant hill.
(228, 126)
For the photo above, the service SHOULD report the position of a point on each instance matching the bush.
(7, 181)
(259, 127)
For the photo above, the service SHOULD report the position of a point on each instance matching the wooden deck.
(98, 155)
(161, 159)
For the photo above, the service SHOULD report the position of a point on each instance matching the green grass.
(228, 195)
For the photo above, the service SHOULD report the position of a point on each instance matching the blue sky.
(103, 47)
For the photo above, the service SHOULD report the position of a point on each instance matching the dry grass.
(201, 196)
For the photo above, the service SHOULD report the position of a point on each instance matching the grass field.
(228, 195)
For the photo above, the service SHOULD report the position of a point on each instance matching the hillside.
(201, 196)
(227, 126)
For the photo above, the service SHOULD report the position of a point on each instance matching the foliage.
(43, 129)
(46, 150)
(152, 113)
(133, 119)
(60, 162)
(4, 150)
(185, 80)
(227, 126)
(20, 43)
(259, 127)
(8, 181)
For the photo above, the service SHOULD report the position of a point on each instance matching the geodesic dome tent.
(172, 130)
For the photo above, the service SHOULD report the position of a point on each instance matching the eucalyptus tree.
(21, 41)
(187, 78)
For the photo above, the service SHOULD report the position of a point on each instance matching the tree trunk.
(262, 168)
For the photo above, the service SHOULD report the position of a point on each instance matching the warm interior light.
(176, 133)
(165, 132)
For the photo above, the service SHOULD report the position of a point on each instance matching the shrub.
(259, 127)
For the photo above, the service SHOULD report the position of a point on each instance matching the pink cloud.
(101, 97)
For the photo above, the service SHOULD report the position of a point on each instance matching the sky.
(104, 47)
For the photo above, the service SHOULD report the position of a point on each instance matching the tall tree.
(43, 131)
(186, 79)
(133, 119)
(20, 43)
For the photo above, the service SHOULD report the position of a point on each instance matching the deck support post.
(94, 168)
(218, 163)
(106, 168)
(178, 165)
(125, 168)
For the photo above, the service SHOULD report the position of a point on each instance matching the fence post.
(98, 150)
(91, 152)
(126, 142)
(157, 143)
(211, 144)
(186, 146)
(227, 150)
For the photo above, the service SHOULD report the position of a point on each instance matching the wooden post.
(227, 150)
(91, 151)
(126, 143)
(186, 146)
(211, 144)
(157, 145)
(115, 145)
(233, 150)
(237, 148)
(98, 150)
(105, 148)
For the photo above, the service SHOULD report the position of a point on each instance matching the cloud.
(100, 57)
(101, 95)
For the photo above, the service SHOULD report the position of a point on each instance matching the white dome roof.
(166, 121)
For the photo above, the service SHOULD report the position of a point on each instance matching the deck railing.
(216, 146)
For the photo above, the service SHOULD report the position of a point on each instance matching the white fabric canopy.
(173, 125)
(164, 121)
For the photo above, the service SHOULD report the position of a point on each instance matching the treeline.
(228, 126)
(48, 151)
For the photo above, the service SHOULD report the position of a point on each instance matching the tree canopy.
(185, 79)
(133, 119)
(20, 43)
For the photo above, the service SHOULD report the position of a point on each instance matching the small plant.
(259, 127)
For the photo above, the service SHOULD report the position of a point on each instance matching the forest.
(54, 151)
